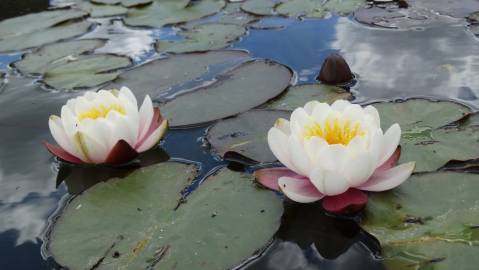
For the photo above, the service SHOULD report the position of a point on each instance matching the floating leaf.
(260, 7)
(126, 3)
(204, 37)
(318, 9)
(245, 134)
(424, 139)
(429, 222)
(85, 71)
(132, 222)
(54, 54)
(245, 87)
(160, 76)
(166, 12)
(32, 23)
(101, 10)
(42, 37)
(298, 95)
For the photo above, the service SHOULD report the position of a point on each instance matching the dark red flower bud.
(335, 70)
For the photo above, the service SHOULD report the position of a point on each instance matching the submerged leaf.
(136, 222)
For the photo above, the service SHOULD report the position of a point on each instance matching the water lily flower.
(334, 153)
(105, 127)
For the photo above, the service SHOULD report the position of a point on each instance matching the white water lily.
(329, 150)
(105, 127)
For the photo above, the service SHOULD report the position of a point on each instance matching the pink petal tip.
(122, 152)
(62, 154)
(269, 177)
(351, 201)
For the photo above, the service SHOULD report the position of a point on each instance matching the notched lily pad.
(434, 232)
(424, 137)
(245, 87)
(183, 71)
(43, 36)
(245, 134)
(298, 95)
(86, 71)
(38, 61)
(204, 37)
(161, 13)
(132, 222)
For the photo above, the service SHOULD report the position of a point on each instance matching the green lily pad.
(424, 139)
(243, 88)
(85, 72)
(165, 12)
(101, 10)
(260, 7)
(245, 134)
(318, 9)
(298, 95)
(429, 222)
(125, 3)
(133, 223)
(32, 23)
(204, 37)
(45, 57)
(44, 36)
(160, 76)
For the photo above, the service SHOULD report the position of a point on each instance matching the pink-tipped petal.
(122, 152)
(156, 121)
(389, 179)
(391, 162)
(269, 177)
(351, 201)
(60, 153)
(299, 189)
(153, 138)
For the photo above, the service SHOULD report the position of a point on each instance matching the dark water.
(438, 62)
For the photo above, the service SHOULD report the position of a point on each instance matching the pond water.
(438, 62)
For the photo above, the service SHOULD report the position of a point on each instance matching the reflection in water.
(441, 61)
(310, 239)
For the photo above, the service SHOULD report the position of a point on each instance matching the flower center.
(101, 111)
(334, 131)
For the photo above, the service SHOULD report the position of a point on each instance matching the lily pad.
(42, 37)
(134, 222)
(245, 134)
(245, 87)
(125, 3)
(429, 222)
(85, 72)
(298, 95)
(160, 76)
(101, 10)
(165, 12)
(31, 23)
(40, 60)
(260, 7)
(204, 37)
(318, 9)
(424, 137)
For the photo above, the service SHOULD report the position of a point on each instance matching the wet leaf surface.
(144, 227)
(183, 71)
(85, 71)
(298, 95)
(317, 9)
(260, 7)
(45, 57)
(101, 10)
(204, 37)
(424, 137)
(166, 12)
(126, 3)
(245, 134)
(243, 88)
(44, 36)
(435, 232)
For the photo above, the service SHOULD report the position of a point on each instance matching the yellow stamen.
(334, 131)
(101, 111)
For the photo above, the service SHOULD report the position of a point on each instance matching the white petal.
(313, 147)
(278, 143)
(332, 157)
(372, 112)
(329, 183)
(93, 150)
(389, 179)
(300, 117)
(299, 190)
(340, 105)
(121, 129)
(391, 142)
(299, 157)
(58, 133)
(357, 169)
(309, 107)
(146, 115)
(283, 125)
(321, 112)
(154, 138)
(126, 93)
